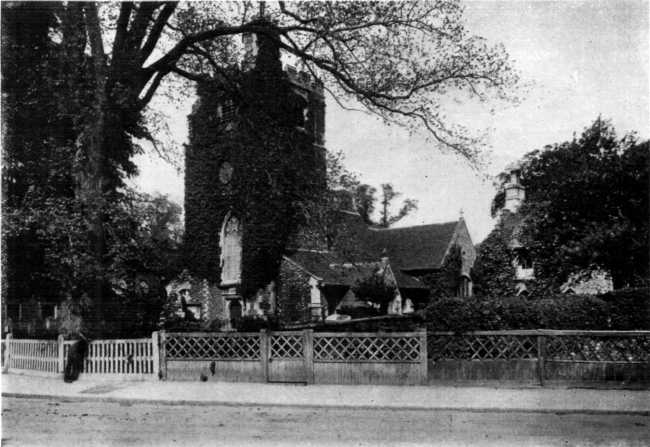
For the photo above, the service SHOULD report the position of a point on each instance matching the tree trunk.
(91, 170)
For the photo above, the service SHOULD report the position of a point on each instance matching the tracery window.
(231, 251)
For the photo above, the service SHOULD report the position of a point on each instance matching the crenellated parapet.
(304, 80)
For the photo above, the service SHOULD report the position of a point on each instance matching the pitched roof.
(405, 281)
(419, 247)
(332, 269)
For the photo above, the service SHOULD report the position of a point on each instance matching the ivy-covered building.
(255, 155)
(255, 159)
(506, 265)
(317, 283)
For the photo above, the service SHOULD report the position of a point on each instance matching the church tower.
(256, 141)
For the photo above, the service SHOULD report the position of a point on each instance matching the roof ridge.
(455, 222)
(309, 250)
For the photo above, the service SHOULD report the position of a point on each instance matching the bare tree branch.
(156, 30)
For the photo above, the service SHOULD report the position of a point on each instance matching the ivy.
(444, 282)
(277, 170)
(493, 272)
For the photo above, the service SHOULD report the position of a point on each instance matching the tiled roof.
(332, 269)
(405, 281)
(358, 249)
(420, 247)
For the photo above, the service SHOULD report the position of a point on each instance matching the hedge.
(620, 310)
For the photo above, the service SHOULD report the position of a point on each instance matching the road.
(57, 422)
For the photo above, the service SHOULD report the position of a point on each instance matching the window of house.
(231, 251)
(524, 260)
(464, 287)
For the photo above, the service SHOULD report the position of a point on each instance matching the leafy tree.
(587, 206)
(364, 196)
(375, 289)
(37, 145)
(388, 194)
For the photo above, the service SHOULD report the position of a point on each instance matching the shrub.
(619, 310)
(375, 289)
(255, 323)
(629, 308)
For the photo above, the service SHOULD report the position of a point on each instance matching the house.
(315, 272)
(593, 281)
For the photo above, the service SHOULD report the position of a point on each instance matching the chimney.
(515, 192)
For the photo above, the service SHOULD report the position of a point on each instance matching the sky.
(577, 60)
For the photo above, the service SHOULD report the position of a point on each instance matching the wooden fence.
(540, 356)
(130, 358)
(31, 355)
(296, 356)
(127, 357)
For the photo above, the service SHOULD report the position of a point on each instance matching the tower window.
(231, 251)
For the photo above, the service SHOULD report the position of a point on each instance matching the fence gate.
(286, 356)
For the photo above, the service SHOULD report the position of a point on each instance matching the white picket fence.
(127, 358)
(35, 355)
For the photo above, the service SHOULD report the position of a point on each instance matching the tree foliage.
(364, 196)
(375, 289)
(587, 206)
(388, 194)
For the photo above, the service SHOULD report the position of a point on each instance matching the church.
(256, 155)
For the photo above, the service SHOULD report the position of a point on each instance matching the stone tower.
(233, 139)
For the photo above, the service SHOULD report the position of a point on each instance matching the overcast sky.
(579, 59)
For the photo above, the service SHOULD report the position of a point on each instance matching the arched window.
(464, 287)
(230, 251)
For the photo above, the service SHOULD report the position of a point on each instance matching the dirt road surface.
(57, 422)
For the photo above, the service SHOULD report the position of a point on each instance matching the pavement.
(447, 398)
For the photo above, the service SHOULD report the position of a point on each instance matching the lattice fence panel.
(367, 348)
(628, 349)
(481, 347)
(287, 347)
(212, 347)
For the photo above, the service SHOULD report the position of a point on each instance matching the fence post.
(155, 351)
(264, 354)
(541, 352)
(162, 355)
(308, 347)
(7, 359)
(60, 340)
(424, 358)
